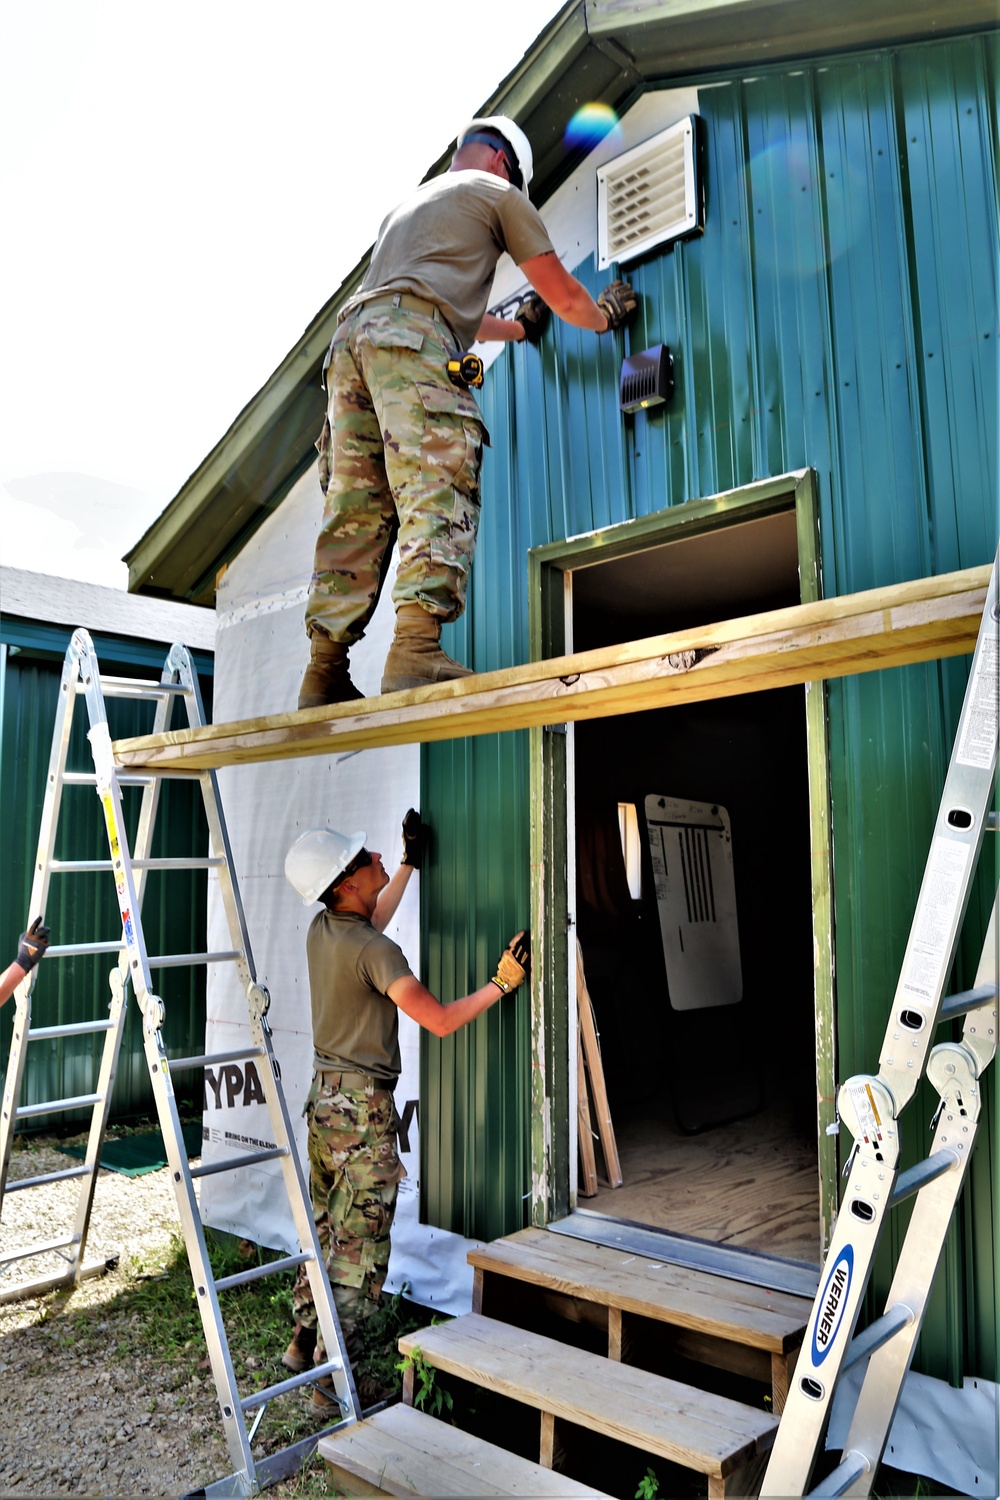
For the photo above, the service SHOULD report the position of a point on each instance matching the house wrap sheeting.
(261, 652)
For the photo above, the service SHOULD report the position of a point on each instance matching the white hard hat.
(512, 134)
(316, 859)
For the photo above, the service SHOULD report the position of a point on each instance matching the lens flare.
(589, 126)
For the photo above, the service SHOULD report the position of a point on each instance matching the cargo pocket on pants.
(455, 434)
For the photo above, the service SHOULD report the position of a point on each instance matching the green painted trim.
(705, 34)
(548, 582)
(760, 499)
(550, 1138)
(38, 639)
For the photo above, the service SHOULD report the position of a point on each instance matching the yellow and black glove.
(515, 963)
(617, 302)
(533, 315)
(415, 834)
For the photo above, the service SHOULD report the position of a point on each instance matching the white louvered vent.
(648, 195)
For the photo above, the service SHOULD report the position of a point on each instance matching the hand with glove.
(515, 963)
(415, 833)
(533, 315)
(32, 944)
(617, 302)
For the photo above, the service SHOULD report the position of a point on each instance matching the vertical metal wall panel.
(83, 908)
(474, 1129)
(840, 312)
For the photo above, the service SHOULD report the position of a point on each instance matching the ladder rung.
(256, 1273)
(129, 778)
(877, 1334)
(917, 1177)
(177, 1064)
(178, 960)
(125, 778)
(94, 866)
(71, 1028)
(164, 961)
(232, 1162)
(136, 687)
(51, 1283)
(966, 1000)
(43, 1249)
(44, 1109)
(850, 1468)
(993, 821)
(309, 1378)
(77, 950)
(26, 1182)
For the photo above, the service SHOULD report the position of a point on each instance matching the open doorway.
(712, 1089)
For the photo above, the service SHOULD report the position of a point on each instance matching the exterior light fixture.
(647, 379)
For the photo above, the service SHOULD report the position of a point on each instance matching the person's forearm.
(460, 1012)
(494, 330)
(389, 899)
(10, 979)
(562, 293)
(577, 306)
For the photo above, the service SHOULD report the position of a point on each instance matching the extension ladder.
(81, 676)
(870, 1108)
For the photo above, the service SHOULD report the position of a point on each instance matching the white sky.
(182, 187)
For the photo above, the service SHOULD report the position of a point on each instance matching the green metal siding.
(83, 908)
(839, 312)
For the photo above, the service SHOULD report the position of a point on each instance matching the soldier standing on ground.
(402, 446)
(359, 980)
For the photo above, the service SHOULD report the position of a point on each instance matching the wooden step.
(717, 1437)
(730, 1324)
(400, 1451)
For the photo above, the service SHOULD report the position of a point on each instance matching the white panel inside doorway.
(691, 850)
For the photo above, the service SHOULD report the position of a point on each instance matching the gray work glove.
(533, 315)
(414, 839)
(617, 302)
(32, 944)
(515, 962)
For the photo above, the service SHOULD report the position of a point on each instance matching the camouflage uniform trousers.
(354, 1174)
(404, 459)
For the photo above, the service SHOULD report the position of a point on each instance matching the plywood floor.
(752, 1183)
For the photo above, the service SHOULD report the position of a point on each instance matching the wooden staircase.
(591, 1339)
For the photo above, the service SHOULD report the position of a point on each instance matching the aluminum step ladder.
(870, 1107)
(81, 678)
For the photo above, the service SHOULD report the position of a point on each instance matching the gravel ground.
(117, 1422)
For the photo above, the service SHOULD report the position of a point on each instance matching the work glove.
(32, 944)
(617, 302)
(515, 961)
(533, 315)
(414, 839)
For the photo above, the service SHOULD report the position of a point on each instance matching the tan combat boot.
(415, 657)
(326, 678)
(299, 1354)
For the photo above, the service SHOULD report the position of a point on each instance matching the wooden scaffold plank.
(909, 622)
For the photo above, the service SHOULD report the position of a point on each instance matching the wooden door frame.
(553, 1015)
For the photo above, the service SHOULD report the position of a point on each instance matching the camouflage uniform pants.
(406, 450)
(354, 1171)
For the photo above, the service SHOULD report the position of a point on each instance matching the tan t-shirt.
(355, 1024)
(444, 242)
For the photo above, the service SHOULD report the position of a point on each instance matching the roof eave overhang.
(593, 51)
